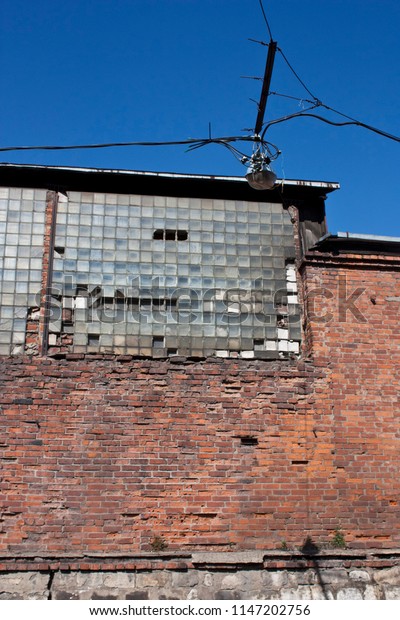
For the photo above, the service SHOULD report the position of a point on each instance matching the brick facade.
(108, 455)
(111, 453)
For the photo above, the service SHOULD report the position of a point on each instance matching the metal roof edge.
(327, 186)
(362, 237)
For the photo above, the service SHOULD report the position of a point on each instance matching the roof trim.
(357, 243)
(347, 235)
(325, 185)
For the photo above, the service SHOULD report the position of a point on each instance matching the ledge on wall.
(376, 558)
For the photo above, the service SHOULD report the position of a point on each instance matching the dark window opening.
(158, 342)
(163, 305)
(134, 304)
(282, 321)
(60, 250)
(170, 235)
(82, 290)
(67, 316)
(107, 301)
(93, 340)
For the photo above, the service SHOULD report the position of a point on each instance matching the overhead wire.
(285, 118)
(297, 75)
(265, 19)
(329, 122)
(318, 102)
(299, 99)
(93, 146)
(190, 141)
(195, 143)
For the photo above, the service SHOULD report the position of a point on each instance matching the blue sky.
(90, 71)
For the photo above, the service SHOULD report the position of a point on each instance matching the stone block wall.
(215, 576)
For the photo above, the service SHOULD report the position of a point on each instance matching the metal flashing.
(326, 186)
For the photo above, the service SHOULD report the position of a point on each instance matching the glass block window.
(159, 276)
(22, 219)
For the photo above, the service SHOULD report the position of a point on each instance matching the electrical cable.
(350, 118)
(93, 146)
(190, 141)
(300, 99)
(266, 20)
(354, 121)
(193, 144)
(196, 143)
(285, 118)
(297, 75)
(329, 122)
(361, 124)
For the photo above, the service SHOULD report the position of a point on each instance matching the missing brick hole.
(299, 462)
(130, 515)
(204, 515)
(248, 440)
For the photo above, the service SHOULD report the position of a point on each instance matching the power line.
(265, 19)
(285, 118)
(380, 132)
(299, 99)
(297, 75)
(190, 141)
(194, 143)
(319, 103)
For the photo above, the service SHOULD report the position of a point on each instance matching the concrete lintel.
(228, 557)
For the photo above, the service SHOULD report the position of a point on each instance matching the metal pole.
(265, 87)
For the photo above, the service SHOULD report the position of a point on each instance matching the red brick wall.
(105, 453)
(358, 346)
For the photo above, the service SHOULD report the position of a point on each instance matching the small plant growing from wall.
(338, 540)
(159, 544)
